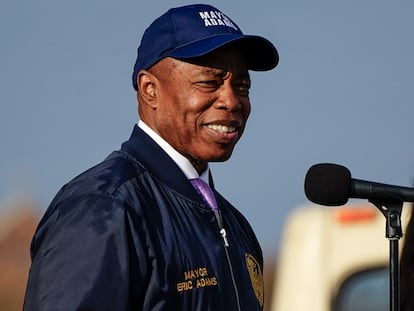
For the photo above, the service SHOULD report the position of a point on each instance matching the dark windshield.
(364, 291)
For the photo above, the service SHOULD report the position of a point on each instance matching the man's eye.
(209, 83)
(212, 82)
(243, 88)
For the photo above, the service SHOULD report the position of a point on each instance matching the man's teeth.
(222, 128)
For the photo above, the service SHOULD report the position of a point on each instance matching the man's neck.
(191, 168)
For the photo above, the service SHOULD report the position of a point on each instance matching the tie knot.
(205, 191)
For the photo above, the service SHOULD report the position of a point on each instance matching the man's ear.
(147, 84)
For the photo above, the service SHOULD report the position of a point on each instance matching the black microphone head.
(328, 184)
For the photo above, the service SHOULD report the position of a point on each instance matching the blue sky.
(342, 93)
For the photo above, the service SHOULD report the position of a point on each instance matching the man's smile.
(222, 128)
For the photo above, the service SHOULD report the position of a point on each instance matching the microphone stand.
(393, 232)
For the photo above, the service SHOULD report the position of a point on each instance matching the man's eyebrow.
(213, 71)
(222, 72)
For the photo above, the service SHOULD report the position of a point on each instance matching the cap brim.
(260, 53)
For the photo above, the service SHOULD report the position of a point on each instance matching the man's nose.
(229, 99)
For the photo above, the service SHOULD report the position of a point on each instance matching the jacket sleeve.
(82, 254)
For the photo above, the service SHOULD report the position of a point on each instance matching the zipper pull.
(222, 230)
(224, 235)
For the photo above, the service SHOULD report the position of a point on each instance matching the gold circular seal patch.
(256, 277)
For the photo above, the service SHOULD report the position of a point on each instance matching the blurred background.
(342, 93)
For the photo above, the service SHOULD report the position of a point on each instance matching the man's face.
(202, 106)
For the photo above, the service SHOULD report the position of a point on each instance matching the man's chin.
(213, 155)
(221, 157)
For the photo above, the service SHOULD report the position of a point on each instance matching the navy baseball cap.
(195, 30)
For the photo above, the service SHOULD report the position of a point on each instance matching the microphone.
(332, 185)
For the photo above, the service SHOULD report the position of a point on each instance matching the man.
(135, 232)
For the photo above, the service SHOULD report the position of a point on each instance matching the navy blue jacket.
(133, 234)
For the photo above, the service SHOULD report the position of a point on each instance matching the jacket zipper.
(226, 245)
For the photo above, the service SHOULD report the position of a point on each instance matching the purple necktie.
(204, 189)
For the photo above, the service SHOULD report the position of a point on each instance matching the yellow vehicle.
(334, 259)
